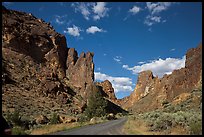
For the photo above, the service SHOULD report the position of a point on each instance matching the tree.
(96, 105)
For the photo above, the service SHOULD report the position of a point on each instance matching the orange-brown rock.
(80, 70)
(37, 61)
(108, 89)
(67, 119)
(25, 34)
(39, 72)
(151, 91)
(41, 119)
(182, 97)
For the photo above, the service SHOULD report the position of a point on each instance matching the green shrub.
(18, 131)
(195, 128)
(161, 120)
(96, 106)
(15, 119)
(54, 119)
(179, 119)
(83, 118)
(165, 102)
(119, 115)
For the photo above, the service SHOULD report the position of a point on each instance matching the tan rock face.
(108, 89)
(80, 70)
(41, 119)
(182, 97)
(38, 61)
(67, 119)
(150, 91)
(23, 33)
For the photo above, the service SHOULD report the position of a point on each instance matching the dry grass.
(47, 129)
(178, 130)
(136, 127)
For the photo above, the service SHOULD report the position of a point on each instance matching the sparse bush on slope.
(96, 106)
(160, 121)
(54, 119)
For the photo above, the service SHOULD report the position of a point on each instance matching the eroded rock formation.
(151, 91)
(37, 61)
(108, 89)
(41, 75)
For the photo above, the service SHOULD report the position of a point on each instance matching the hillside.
(152, 92)
(41, 75)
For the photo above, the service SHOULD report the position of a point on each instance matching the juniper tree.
(96, 105)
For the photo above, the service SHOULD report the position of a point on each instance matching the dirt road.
(113, 127)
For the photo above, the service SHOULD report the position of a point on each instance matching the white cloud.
(163, 21)
(159, 67)
(97, 10)
(83, 8)
(157, 7)
(141, 62)
(172, 49)
(60, 19)
(134, 10)
(150, 20)
(100, 10)
(118, 59)
(74, 31)
(94, 29)
(156, 18)
(120, 84)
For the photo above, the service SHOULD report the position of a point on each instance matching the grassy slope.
(184, 118)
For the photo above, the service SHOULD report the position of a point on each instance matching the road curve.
(113, 127)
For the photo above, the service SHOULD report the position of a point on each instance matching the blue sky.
(126, 37)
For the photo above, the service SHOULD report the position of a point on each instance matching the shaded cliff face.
(37, 65)
(151, 91)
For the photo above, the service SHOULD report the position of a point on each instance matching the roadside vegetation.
(171, 119)
(94, 113)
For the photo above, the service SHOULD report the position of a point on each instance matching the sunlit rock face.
(151, 91)
(108, 89)
(36, 58)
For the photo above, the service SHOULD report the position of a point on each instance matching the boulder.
(95, 120)
(42, 119)
(67, 119)
(111, 116)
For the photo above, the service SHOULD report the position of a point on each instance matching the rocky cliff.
(108, 89)
(40, 73)
(151, 92)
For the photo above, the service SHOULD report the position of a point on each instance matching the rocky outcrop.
(150, 92)
(80, 70)
(25, 34)
(41, 119)
(108, 89)
(39, 70)
(67, 119)
(36, 60)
